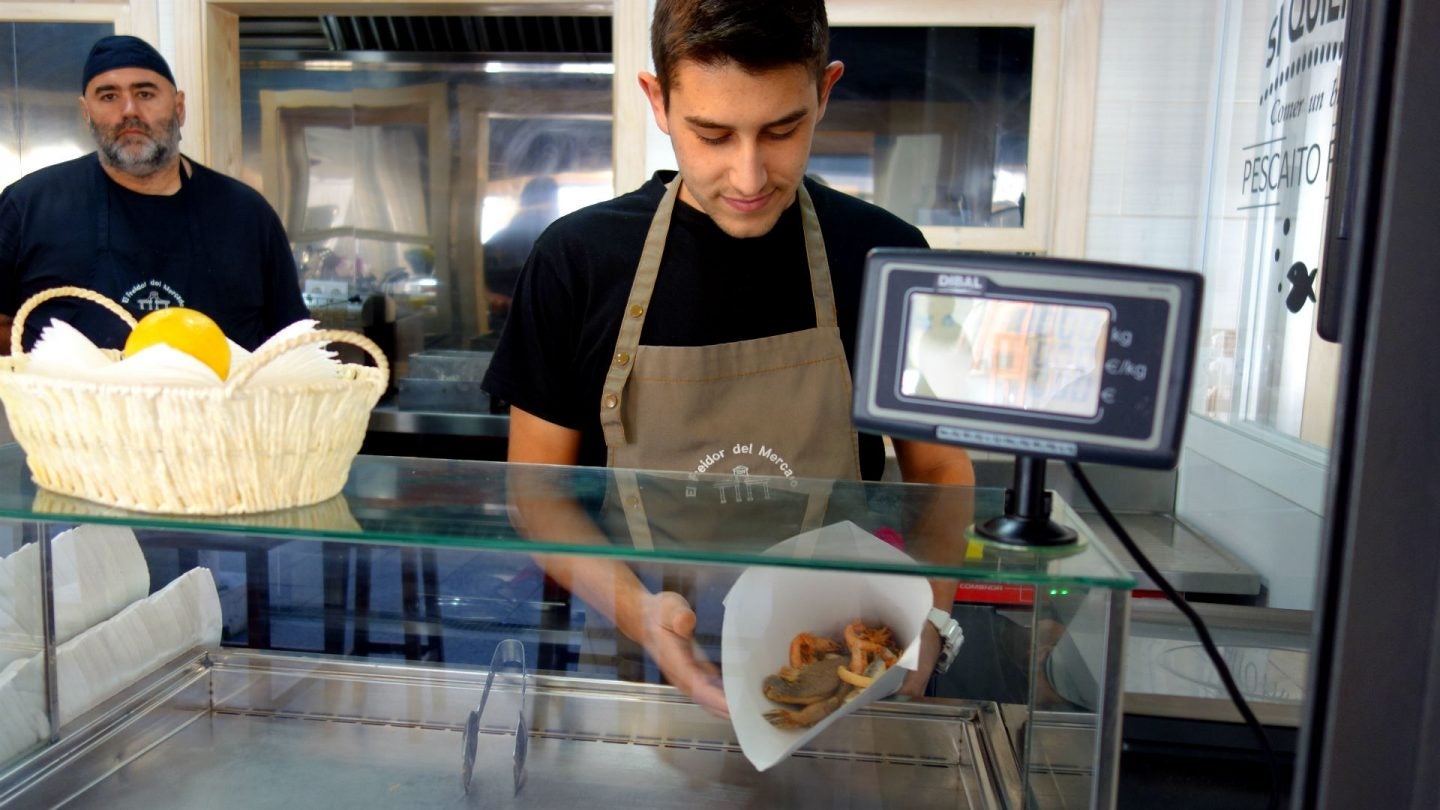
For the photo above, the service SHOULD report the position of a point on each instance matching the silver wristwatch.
(951, 637)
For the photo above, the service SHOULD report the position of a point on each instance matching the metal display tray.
(239, 729)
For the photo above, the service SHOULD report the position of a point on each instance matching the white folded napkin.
(62, 351)
(97, 571)
(22, 708)
(299, 365)
(106, 658)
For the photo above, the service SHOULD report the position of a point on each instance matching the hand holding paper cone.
(767, 607)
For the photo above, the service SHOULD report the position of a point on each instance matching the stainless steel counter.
(1190, 562)
(233, 729)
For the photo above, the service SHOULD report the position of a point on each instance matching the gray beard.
(153, 156)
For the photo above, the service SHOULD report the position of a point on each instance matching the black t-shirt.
(215, 246)
(712, 288)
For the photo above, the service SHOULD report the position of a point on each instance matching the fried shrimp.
(807, 649)
(862, 641)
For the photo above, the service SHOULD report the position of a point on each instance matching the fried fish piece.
(805, 685)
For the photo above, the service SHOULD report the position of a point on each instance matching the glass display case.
(333, 654)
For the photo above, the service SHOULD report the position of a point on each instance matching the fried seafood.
(806, 649)
(821, 680)
(865, 641)
(808, 716)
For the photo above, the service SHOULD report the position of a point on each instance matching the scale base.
(1014, 530)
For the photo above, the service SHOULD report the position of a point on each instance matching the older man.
(140, 222)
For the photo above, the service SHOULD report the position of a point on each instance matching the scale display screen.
(1005, 354)
(1039, 357)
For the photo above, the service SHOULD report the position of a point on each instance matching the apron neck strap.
(632, 322)
(650, 257)
(819, 262)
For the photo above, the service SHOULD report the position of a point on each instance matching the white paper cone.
(767, 607)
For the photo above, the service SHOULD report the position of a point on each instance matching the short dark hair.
(757, 35)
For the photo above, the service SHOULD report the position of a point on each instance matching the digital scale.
(1039, 357)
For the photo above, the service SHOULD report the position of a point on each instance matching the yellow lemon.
(186, 330)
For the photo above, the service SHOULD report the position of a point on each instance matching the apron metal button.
(636, 310)
(622, 359)
(611, 400)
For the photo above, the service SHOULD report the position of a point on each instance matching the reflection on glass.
(1006, 354)
(412, 191)
(388, 195)
(541, 167)
(40, 68)
(387, 199)
(931, 124)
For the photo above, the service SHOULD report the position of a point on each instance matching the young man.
(140, 223)
(704, 322)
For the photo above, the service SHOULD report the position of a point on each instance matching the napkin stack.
(22, 705)
(63, 352)
(115, 653)
(109, 633)
(97, 571)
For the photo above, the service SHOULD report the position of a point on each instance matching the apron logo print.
(153, 299)
(152, 302)
(743, 484)
(740, 477)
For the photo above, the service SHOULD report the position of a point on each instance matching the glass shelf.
(466, 504)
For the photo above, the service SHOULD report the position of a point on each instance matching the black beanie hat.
(123, 52)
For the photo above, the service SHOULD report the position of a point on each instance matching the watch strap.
(951, 637)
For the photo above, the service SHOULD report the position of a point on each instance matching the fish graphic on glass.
(1302, 286)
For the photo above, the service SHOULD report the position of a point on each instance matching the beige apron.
(752, 430)
(756, 415)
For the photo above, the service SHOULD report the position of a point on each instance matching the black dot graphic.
(1287, 226)
(1280, 287)
(1277, 254)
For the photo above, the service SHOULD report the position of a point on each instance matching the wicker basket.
(229, 449)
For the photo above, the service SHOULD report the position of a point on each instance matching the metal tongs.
(510, 653)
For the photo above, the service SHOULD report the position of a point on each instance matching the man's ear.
(84, 110)
(180, 107)
(650, 83)
(833, 72)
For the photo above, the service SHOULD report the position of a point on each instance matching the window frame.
(1062, 99)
